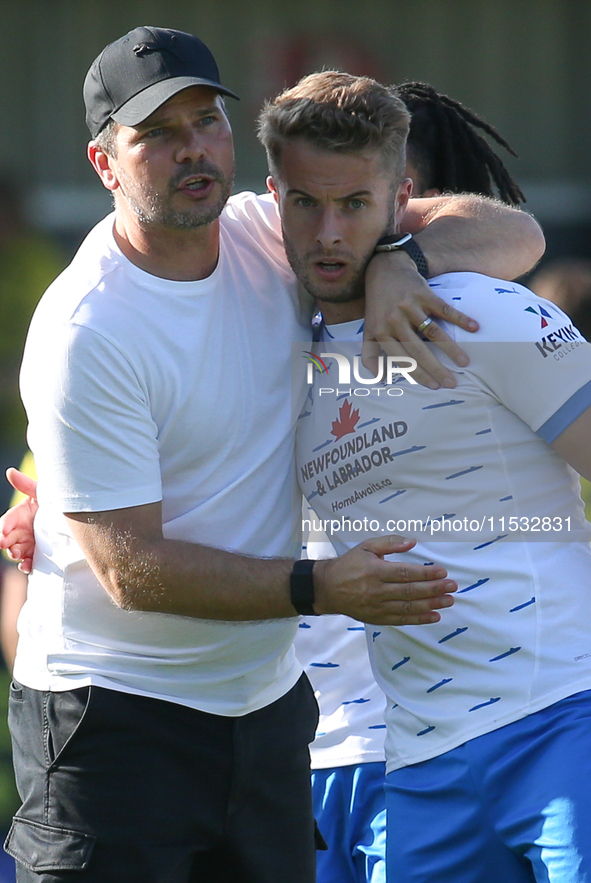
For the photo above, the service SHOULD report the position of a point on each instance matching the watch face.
(394, 241)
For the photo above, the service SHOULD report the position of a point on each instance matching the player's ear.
(272, 188)
(403, 194)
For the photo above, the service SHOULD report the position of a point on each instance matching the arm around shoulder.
(459, 233)
(466, 232)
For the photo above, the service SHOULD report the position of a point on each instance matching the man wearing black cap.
(159, 718)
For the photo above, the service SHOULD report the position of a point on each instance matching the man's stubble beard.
(351, 290)
(152, 209)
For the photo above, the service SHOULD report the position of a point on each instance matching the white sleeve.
(258, 214)
(90, 427)
(257, 211)
(532, 358)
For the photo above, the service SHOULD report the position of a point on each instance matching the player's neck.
(335, 313)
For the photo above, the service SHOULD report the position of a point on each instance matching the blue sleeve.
(566, 414)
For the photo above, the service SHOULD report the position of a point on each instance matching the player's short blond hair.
(337, 111)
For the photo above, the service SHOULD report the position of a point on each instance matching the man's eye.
(304, 202)
(154, 133)
(208, 120)
(356, 203)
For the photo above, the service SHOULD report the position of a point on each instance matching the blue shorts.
(349, 806)
(512, 806)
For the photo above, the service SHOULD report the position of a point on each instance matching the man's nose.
(328, 231)
(191, 145)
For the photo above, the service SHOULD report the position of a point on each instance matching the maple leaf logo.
(347, 421)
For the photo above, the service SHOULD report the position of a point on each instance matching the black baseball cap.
(133, 76)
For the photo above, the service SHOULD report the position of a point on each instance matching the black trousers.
(119, 788)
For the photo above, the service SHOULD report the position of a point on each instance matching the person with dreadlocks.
(445, 153)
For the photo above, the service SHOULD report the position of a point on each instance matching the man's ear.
(272, 188)
(103, 165)
(403, 194)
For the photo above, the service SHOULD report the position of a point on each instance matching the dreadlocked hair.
(447, 151)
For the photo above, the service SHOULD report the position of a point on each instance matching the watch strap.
(408, 244)
(301, 587)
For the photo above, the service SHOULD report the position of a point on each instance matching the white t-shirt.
(140, 389)
(467, 466)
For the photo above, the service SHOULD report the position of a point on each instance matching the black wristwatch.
(407, 244)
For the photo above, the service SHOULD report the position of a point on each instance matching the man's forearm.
(473, 233)
(187, 579)
(142, 570)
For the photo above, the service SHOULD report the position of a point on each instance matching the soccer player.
(445, 152)
(488, 711)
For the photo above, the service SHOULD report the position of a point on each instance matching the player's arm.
(467, 232)
(142, 570)
(456, 233)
